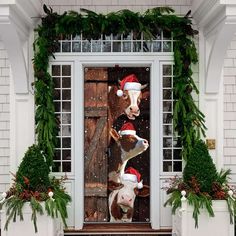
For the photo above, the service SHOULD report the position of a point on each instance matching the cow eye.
(125, 96)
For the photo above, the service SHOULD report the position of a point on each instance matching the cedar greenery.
(32, 184)
(202, 184)
(188, 119)
(201, 166)
(34, 169)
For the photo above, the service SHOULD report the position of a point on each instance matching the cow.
(122, 197)
(129, 145)
(125, 99)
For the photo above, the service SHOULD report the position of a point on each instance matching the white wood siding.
(230, 109)
(4, 119)
(105, 6)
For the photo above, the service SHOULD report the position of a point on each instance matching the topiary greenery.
(187, 118)
(202, 184)
(32, 184)
(33, 172)
(200, 166)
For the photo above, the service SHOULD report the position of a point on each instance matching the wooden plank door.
(97, 163)
(95, 144)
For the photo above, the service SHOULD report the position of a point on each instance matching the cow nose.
(134, 109)
(145, 141)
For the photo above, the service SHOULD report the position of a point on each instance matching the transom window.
(163, 42)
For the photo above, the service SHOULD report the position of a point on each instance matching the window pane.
(66, 95)
(57, 106)
(66, 106)
(66, 166)
(167, 70)
(167, 118)
(55, 70)
(57, 82)
(167, 142)
(66, 118)
(166, 46)
(96, 46)
(167, 166)
(167, 94)
(66, 143)
(57, 94)
(177, 154)
(177, 166)
(56, 167)
(116, 46)
(167, 154)
(156, 46)
(167, 106)
(57, 155)
(66, 130)
(106, 47)
(66, 154)
(166, 82)
(66, 47)
(76, 46)
(167, 130)
(66, 82)
(66, 70)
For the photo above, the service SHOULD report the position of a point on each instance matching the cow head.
(130, 144)
(122, 197)
(130, 92)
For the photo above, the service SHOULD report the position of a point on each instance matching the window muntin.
(61, 75)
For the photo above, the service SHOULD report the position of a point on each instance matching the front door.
(103, 111)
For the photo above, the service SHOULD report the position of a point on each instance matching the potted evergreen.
(202, 201)
(34, 196)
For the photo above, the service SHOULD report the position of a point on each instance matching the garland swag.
(187, 118)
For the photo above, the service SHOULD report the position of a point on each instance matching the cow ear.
(143, 192)
(145, 94)
(114, 186)
(114, 134)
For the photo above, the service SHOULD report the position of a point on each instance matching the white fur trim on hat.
(127, 132)
(119, 93)
(132, 86)
(140, 184)
(129, 177)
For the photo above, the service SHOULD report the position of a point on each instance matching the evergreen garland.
(188, 119)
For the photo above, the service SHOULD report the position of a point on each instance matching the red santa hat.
(129, 82)
(134, 176)
(127, 128)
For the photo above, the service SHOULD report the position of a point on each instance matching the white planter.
(219, 225)
(45, 224)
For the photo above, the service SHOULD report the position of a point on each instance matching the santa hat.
(127, 128)
(134, 176)
(129, 82)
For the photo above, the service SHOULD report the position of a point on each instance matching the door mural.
(117, 140)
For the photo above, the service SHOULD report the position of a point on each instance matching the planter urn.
(219, 225)
(47, 226)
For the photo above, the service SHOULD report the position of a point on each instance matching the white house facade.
(215, 76)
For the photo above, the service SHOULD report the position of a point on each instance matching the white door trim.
(81, 61)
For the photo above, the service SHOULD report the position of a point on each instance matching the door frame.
(152, 60)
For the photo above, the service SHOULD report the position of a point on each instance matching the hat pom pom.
(119, 93)
(140, 185)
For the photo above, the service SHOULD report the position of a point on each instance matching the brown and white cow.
(126, 98)
(130, 145)
(122, 197)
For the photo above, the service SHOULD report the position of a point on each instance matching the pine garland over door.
(187, 118)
